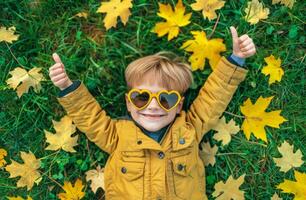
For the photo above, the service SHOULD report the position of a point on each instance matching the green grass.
(46, 27)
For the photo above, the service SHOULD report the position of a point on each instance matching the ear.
(128, 103)
(180, 105)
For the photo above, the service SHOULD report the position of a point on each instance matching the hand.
(243, 46)
(58, 74)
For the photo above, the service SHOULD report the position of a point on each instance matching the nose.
(153, 105)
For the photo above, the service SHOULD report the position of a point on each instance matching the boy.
(154, 152)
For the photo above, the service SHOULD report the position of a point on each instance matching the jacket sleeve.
(214, 96)
(89, 118)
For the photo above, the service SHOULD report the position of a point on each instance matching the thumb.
(56, 58)
(234, 34)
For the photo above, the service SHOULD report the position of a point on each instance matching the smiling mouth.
(152, 116)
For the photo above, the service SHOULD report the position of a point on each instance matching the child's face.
(149, 117)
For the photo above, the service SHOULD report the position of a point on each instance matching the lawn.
(98, 57)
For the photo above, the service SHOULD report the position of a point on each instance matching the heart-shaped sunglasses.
(141, 98)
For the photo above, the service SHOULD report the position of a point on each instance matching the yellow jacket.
(138, 167)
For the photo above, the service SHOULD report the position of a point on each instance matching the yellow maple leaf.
(295, 187)
(256, 118)
(203, 48)
(288, 159)
(19, 198)
(229, 189)
(208, 7)
(255, 12)
(273, 69)
(3, 153)
(27, 80)
(96, 177)
(62, 138)
(113, 10)
(208, 153)
(82, 14)
(225, 130)
(8, 34)
(174, 20)
(28, 171)
(288, 3)
(72, 193)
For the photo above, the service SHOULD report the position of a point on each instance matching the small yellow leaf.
(113, 10)
(255, 12)
(27, 80)
(3, 153)
(96, 177)
(256, 118)
(225, 130)
(208, 153)
(62, 138)
(273, 69)
(208, 7)
(288, 3)
(82, 14)
(72, 193)
(28, 171)
(229, 189)
(288, 159)
(8, 34)
(275, 197)
(295, 187)
(202, 49)
(19, 198)
(174, 20)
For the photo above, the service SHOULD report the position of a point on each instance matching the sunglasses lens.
(140, 100)
(168, 100)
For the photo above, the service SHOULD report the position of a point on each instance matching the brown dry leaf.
(8, 34)
(288, 159)
(208, 153)
(288, 3)
(208, 7)
(229, 189)
(113, 10)
(225, 130)
(255, 12)
(62, 138)
(275, 197)
(72, 193)
(28, 171)
(96, 177)
(3, 153)
(27, 80)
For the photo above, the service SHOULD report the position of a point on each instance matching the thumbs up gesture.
(243, 46)
(58, 74)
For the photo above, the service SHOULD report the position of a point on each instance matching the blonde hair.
(164, 68)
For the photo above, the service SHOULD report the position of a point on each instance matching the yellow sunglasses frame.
(151, 96)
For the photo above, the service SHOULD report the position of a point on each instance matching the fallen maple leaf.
(72, 193)
(256, 118)
(208, 7)
(3, 153)
(295, 187)
(28, 79)
(255, 12)
(62, 138)
(225, 130)
(229, 189)
(96, 177)
(203, 48)
(288, 159)
(113, 10)
(288, 3)
(273, 69)
(8, 34)
(275, 197)
(174, 20)
(208, 153)
(19, 198)
(81, 14)
(28, 171)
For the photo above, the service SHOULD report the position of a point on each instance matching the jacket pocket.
(130, 183)
(133, 156)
